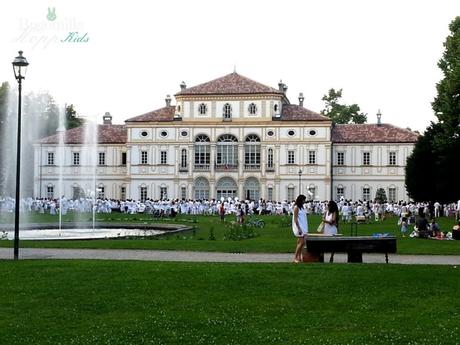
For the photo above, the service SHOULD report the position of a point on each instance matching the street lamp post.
(19, 67)
(300, 181)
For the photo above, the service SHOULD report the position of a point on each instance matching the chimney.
(107, 118)
(280, 85)
(168, 100)
(379, 118)
(301, 99)
(183, 86)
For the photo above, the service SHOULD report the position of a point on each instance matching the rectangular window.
(183, 192)
(183, 159)
(101, 158)
(311, 157)
(123, 193)
(163, 193)
(101, 192)
(270, 193)
(144, 157)
(270, 159)
(202, 156)
(123, 158)
(392, 158)
(340, 193)
(163, 157)
(366, 158)
(392, 194)
(340, 158)
(366, 194)
(290, 194)
(143, 194)
(291, 159)
(50, 158)
(50, 192)
(76, 158)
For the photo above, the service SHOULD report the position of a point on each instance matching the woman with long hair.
(331, 222)
(299, 226)
(331, 219)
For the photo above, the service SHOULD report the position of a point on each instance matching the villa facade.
(230, 137)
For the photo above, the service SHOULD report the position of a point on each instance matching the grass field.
(103, 302)
(276, 237)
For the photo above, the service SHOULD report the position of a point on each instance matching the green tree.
(381, 196)
(341, 113)
(71, 116)
(446, 105)
(420, 170)
(431, 172)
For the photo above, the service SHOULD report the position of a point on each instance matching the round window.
(144, 133)
(270, 133)
(184, 133)
(164, 134)
(291, 132)
(312, 132)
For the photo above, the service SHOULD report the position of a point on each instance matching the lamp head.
(20, 66)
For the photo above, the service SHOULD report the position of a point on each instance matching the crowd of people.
(348, 209)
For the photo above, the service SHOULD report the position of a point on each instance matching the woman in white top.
(331, 218)
(299, 226)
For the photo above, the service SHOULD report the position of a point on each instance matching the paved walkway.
(165, 255)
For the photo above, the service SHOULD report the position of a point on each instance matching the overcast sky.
(132, 53)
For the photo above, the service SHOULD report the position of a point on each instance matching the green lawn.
(104, 302)
(276, 237)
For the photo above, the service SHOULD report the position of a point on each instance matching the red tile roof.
(107, 134)
(165, 114)
(372, 133)
(293, 112)
(232, 83)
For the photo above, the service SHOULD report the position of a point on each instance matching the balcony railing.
(183, 169)
(226, 167)
(270, 168)
(201, 167)
(252, 167)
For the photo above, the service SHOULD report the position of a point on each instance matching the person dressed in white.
(299, 226)
(331, 217)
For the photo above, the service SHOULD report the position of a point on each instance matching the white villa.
(231, 136)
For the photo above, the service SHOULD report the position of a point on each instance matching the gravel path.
(164, 255)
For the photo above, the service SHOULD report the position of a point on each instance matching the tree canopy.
(431, 172)
(341, 113)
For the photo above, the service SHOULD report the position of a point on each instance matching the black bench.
(354, 246)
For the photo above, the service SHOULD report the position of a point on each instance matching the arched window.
(252, 109)
(202, 152)
(227, 111)
(251, 189)
(226, 188)
(201, 187)
(183, 159)
(202, 109)
(227, 152)
(252, 152)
